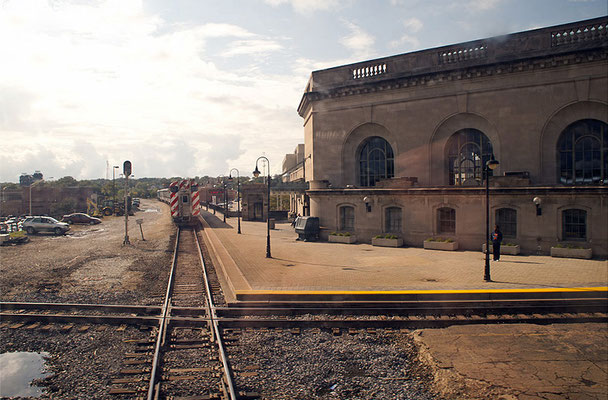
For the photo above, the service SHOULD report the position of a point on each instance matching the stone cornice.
(459, 190)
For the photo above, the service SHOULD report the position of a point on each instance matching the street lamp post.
(33, 184)
(256, 173)
(490, 165)
(238, 196)
(225, 202)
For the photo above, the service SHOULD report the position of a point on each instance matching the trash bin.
(307, 228)
(271, 223)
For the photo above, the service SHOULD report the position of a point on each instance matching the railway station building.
(399, 144)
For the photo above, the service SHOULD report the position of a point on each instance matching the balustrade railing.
(579, 34)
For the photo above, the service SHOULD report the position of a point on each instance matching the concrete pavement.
(315, 266)
(524, 362)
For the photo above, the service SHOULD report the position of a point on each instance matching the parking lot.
(90, 262)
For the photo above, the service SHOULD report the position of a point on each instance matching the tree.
(67, 181)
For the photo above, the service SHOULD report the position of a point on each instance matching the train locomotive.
(183, 199)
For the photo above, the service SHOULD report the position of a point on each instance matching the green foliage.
(568, 246)
(66, 206)
(387, 236)
(439, 239)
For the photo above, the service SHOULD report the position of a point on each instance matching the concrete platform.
(508, 362)
(333, 271)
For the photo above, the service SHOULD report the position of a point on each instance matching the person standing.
(496, 240)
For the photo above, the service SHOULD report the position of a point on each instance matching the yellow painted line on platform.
(448, 291)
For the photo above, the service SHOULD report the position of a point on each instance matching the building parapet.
(474, 57)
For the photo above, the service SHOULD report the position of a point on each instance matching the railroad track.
(189, 361)
(182, 352)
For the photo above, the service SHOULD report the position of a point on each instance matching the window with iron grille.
(446, 220)
(347, 218)
(467, 152)
(574, 224)
(376, 161)
(583, 153)
(392, 219)
(506, 219)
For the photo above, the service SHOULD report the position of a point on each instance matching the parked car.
(45, 224)
(136, 202)
(80, 218)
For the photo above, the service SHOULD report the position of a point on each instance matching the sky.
(195, 87)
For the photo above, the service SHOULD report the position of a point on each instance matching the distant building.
(45, 199)
(294, 170)
(399, 144)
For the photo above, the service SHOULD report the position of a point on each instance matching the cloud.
(482, 5)
(408, 41)
(88, 82)
(306, 6)
(359, 41)
(258, 46)
(413, 24)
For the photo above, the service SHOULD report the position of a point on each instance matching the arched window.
(583, 153)
(392, 220)
(574, 224)
(347, 218)
(446, 220)
(376, 161)
(506, 218)
(467, 152)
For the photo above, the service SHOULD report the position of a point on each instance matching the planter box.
(387, 242)
(342, 239)
(571, 253)
(507, 250)
(449, 246)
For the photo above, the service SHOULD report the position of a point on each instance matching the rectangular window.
(506, 219)
(347, 218)
(184, 199)
(574, 224)
(393, 220)
(446, 220)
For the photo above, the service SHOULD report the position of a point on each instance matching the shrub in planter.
(387, 240)
(571, 251)
(510, 249)
(440, 244)
(342, 237)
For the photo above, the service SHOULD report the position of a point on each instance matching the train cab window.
(184, 199)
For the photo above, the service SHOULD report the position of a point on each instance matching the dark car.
(80, 218)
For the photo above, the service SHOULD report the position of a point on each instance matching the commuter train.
(182, 197)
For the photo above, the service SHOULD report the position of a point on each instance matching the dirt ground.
(60, 269)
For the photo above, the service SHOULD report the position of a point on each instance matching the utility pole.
(127, 172)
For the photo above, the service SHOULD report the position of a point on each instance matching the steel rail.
(414, 323)
(111, 308)
(97, 319)
(213, 317)
(163, 321)
(424, 307)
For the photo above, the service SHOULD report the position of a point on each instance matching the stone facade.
(519, 96)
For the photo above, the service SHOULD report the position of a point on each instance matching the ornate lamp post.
(256, 173)
(238, 196)
(490, 165)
